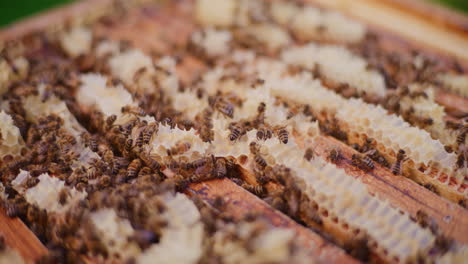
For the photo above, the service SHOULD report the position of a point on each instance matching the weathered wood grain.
(388, 16)
(19, 237)
(400, 191)
(240, 203)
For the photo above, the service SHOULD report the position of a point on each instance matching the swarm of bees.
(111, 158)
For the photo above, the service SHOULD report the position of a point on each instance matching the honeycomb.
(339, 65)
(115, 150)
(348, 200)
(12, 141)
(454, 82)
(395, 133)
(46, 193)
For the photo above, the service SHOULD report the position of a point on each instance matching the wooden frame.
(450, 30)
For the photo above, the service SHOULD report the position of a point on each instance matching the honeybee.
(144, 171)
(31, 182)
(32, 214)
(133, 168)
(309, 154)
(128, 144)
(261, 108)
(237, 181)
(182, 184)
(257, 82)
(463, 203)
(462, 135)
(230, 162)
(207, 117)
(67, 139)
(462, 157)
(431, 188)
(255, 189)
(396, 168)
(368, 145)
(264, 133)
(96, 119)
(424, 220)
(335, 155)
(453, 125)
(150, 162)
(148, 132)
(31, 137)
(220, 168)
(105, 181)
(309, 213)
(236, 131)
(364, 163)
(110, 120)
(225, 108)
(144, 238)
(179, 148)
(161, 69)
(253, 147)
(167, 121)
(427, 121)
(278, 203)
(63, 196)
(260, 118)
(199, 177)
(260, 160)
(359, 249)
(108, 156)
(92, 173)
(136, 110)
(206, 132)
(139, 73)
(199, 163)
(139, 140)
(443, 244)
(11, 210)
(282, 134)
(89, 141)
(2, 243)
(37, 169)
(185, 164)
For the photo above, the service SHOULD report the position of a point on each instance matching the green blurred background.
(11, 10)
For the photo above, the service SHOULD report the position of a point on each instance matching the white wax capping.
(215, 12)
(213, 42)
(273, 37)
(114, 232)
(11, 140)
(46, 194)
(35, 108)
(188, 103)
(109, 100)
(107, 47)
(126, 65)
(311, 23)
(185, 231)
(455, 82)
(169, 137)
(77, 41)
(338, 64)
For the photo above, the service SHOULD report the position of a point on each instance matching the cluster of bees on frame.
(124, 168)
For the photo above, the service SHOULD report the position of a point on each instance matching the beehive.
(150, 132)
